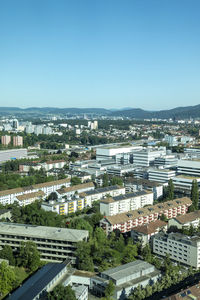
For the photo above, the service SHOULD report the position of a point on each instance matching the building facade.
(54, 244)
(126, 221)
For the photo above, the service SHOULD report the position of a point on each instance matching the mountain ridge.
(135, 113)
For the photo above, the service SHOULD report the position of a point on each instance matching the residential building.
(144, 233)
(120, 204)
(125, 278)
(29, 198)
(181, 248)
(54, 244)
(171, 140)
(126, 221)
(75, 189)
(161, 175)
(100, 193)
(133, 184)
(5, 140)
(9, 196)
(75, 202)
(190, 219)
(38, 129)
(18, 141)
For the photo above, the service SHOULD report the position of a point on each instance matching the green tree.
(129, 253)
(7, 278)
(7, 253)
(163, 218)
(105, 180)
(109, 290)
(84, 257)
(29, 256)
(195, 194)
(75, 180)
(61, 293)
(117, 181)
(170, 190)
(146, 253)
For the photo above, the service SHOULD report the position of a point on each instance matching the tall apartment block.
(5, 140)
(17, 141)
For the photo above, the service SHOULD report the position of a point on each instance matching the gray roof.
(55, 233)
(104, 189)
(36, 283)
(131, 195)
(127, 269)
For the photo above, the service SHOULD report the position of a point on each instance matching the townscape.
(99, 150)
(111, 214)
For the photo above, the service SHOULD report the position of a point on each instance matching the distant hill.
(178, 113)
(136, 113)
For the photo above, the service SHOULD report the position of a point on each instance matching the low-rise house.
(144, 233)
(125, 278)
(115, 205)
(190, 219)
(126, 221)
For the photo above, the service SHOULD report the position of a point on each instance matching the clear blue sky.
(100, 53)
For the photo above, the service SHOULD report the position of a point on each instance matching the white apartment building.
(29, 198)
(100, 193)
(161, 175)
(189, 167)
(78, 202)
(124, 203)
(181, 248)
(76, 189)
(9, 196)
(136, 184)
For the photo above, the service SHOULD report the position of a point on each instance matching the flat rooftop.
(127, 269)
(54, 233)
